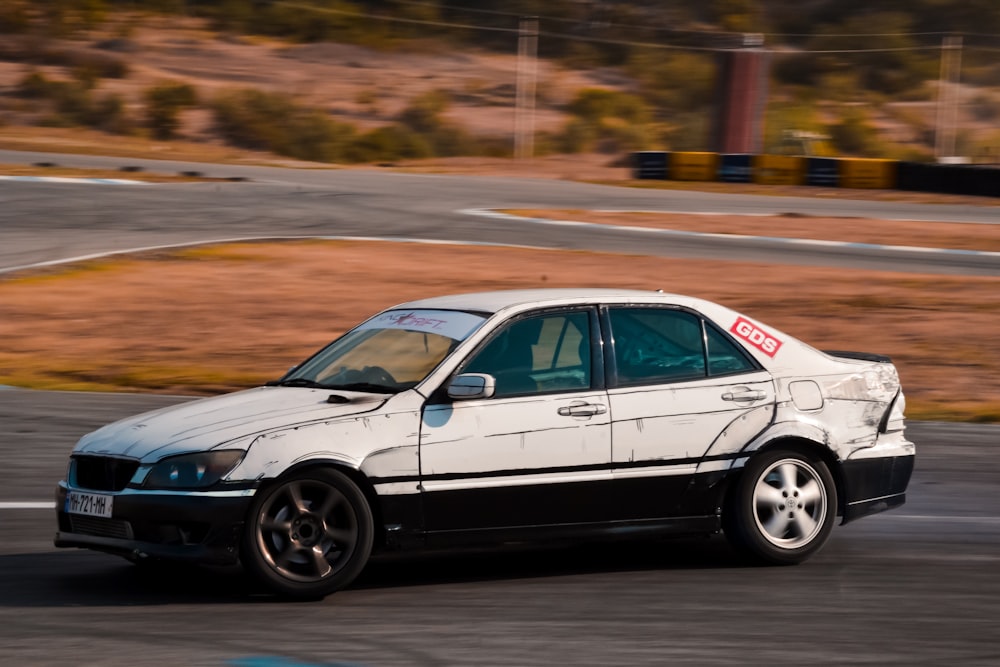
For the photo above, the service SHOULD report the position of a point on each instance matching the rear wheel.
(783, 508)
(308, 535)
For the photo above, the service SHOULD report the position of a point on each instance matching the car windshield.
(391, 352)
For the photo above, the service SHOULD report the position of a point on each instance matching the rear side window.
(659, 345)
(724, 357)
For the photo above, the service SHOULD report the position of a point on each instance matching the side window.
(724, 357)
(541, 354)
(657, 345)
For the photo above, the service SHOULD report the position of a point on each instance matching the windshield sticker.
(756, 336)
(450, 323)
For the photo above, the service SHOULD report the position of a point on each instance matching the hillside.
(364, 82)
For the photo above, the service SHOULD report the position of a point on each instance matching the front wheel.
(783, 508)
(309, 534)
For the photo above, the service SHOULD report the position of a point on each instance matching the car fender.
(366, 443)
(746, 428)
(799, 430)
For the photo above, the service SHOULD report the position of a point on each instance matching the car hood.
(214, 422)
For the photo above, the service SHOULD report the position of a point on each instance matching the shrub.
(67, 18)
(423, 114)
(297, 22)
(782, 117)
(74, 104)
(619, 136)
(94, 65)
(498, 146)
(855, 135)
(606, 120)
(898, 68)
(312, 135)
(270, 121)
(251, 118)
(109, 114)
(595, 104)
(986, 148)
(163, 104)
(687, 132)
(674, 82)
(34, 85)
(577, 136)
(13, 18)
(451, 140)
(393, 142)
(985, 108)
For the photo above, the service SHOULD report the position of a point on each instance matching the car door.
(677, 384)
(538, 450)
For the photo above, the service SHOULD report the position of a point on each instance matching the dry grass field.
(211, 319)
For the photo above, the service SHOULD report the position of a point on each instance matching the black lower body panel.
(557, 534)
(875, 485)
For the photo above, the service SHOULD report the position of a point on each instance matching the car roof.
(795, 354)
(494, 302)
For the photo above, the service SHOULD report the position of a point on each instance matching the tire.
(308, 535)
(782, 509)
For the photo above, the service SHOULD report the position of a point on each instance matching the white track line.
(69, 179)
(49, 505)
(251, 239)
(653, 231)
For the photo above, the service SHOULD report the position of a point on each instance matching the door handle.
(744, 394)
(582, 410)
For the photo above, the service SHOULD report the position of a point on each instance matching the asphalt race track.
(42, 222)
(919, 585)
(916, 586)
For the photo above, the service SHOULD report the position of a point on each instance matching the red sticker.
(757, 337)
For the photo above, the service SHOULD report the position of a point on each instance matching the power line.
(928, 47)
(684, 47)
(619, 42)
(394, 19)
(561, 19)
(681, 31)
(592, 39)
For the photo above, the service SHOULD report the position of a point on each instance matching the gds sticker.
(756, 336)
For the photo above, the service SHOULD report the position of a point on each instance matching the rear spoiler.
(861, 356)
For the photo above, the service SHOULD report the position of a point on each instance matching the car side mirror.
(472, 385)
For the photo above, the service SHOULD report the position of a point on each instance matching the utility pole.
(947, 102)
(527, 73)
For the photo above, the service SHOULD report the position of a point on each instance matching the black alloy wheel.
(308, 535)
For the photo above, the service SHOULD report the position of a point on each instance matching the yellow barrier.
(867, 173)
(693, 166)
(779, 169)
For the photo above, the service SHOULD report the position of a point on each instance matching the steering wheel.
(378, 375)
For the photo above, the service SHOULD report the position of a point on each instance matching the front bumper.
(193, 527)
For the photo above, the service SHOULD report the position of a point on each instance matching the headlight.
(192, 471)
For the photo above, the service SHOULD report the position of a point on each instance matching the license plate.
(91, 504)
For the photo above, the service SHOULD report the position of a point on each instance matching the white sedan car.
(499, 417)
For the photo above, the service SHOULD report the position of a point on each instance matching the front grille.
(99, 527)
(103, 473)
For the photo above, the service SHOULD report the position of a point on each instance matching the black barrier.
(823, 171)
(735, 168)
(958, 179)
(649, 164)
(921, 177)
(954, 179)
